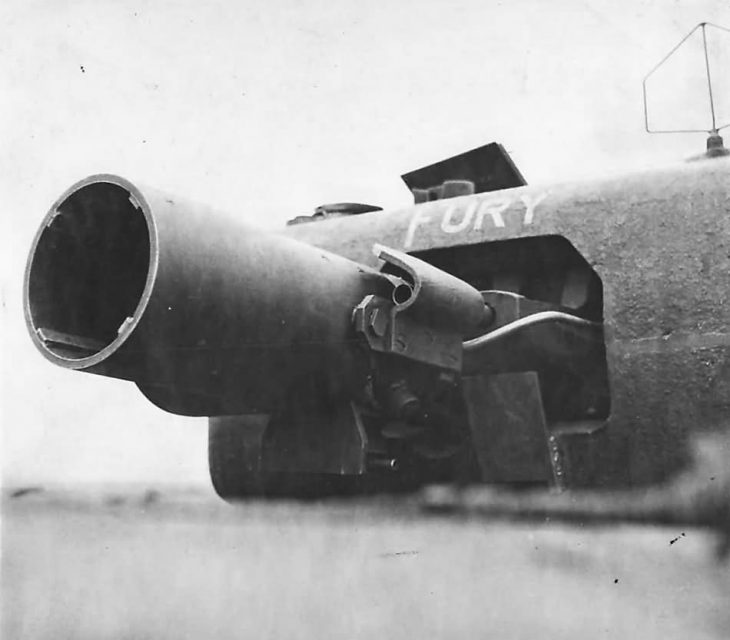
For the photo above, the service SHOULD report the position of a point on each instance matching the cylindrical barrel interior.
(87, 271)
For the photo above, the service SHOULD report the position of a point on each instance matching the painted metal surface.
(229, 316)
(509, 428)
(660, 242)
(231, 319)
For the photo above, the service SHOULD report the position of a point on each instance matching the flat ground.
(113, 563)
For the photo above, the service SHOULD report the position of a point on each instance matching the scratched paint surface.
(645, 222)
(660, 242)
(110, 565)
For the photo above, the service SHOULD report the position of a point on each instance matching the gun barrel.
(206, 314)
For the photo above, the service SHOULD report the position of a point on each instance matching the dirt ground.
(135, 564)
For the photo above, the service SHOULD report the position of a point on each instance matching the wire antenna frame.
(713, 131)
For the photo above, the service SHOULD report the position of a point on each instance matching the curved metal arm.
(529, 321)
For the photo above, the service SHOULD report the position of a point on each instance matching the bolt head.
(378, 322)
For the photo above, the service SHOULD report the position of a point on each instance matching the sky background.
(267, 109)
